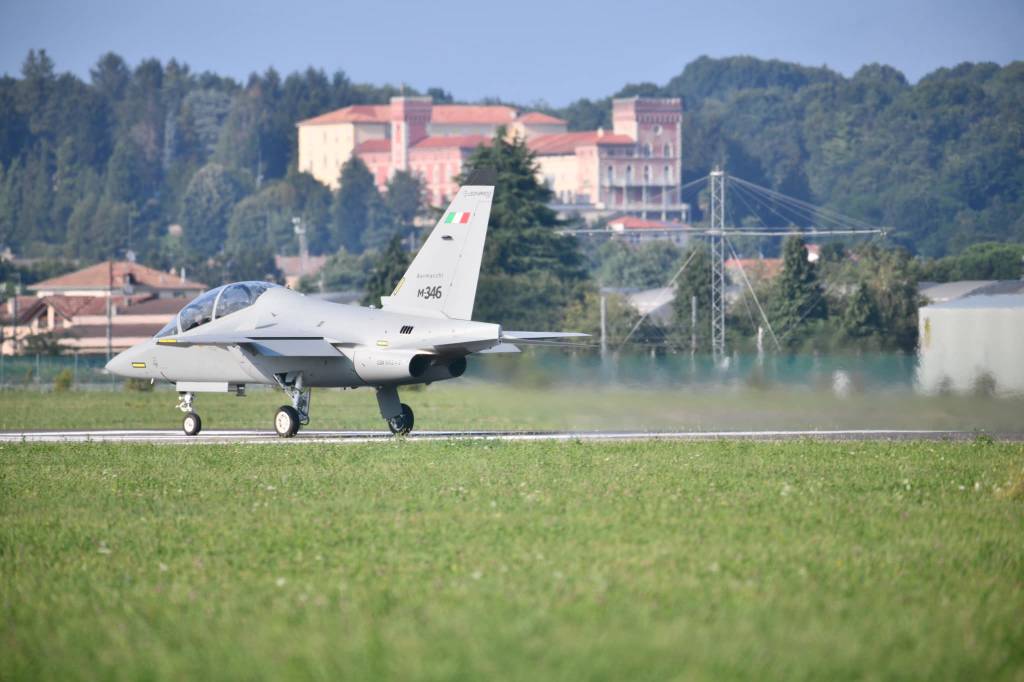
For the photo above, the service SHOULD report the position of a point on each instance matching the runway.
(176, 437)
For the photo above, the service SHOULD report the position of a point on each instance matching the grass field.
(527, 561)
(501, 406)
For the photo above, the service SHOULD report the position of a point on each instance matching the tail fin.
(441, 281)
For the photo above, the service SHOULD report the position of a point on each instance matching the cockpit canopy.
(215, 304)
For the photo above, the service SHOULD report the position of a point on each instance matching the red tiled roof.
(28, 307)
(759, 267)
(69, 306)
(357, 113)
(538, 117)
(441, 113)
(154, 306)
(448, 141)
(373, 146)
(566, 143)
(470, 113)
(98, 277)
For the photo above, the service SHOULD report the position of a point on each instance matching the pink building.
(634, 168)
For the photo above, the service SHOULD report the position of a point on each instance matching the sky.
(524, 51)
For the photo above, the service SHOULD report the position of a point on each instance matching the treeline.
(941, 161)
(90, 170)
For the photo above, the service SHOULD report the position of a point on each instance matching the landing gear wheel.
(286, 421)
(402, 424)
(192, 424)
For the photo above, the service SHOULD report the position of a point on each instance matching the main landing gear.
(398, 415)
(289, 418)
(191, 424)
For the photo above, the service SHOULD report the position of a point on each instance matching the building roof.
(448, 141)
(650, 300)
(949, 291)
(471, 113)
(356, 113)
(98, 277)
(566, 143)
(28, 307)
(981, 301)
(537, 117)
(153, 306)
(484, 114)
(760, 267)
(373, 146)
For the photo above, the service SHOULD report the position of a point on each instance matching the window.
(629, 175)
(647, 174)
(224, 300)
(199, 311)
(668, 151)
(668, 175)
(611, 175)
(169, 329)
(647, 149)
(657, 129)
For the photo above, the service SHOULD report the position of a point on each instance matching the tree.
(525, 260)
(646, 266)
(207, 205)
(388, 269)
(397, 211)
(343, 271)
(252, 262)
(356, 205)
(860, 319)
(797, 299)
(267, 216)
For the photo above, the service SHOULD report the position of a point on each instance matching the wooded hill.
(88, 168)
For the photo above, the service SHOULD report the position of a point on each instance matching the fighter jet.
(250, 333)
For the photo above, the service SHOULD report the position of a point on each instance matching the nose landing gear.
(289, 418)
(191, 424)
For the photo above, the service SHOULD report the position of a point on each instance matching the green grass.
(527, 561)
(498, 406)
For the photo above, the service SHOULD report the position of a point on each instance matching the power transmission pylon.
(716, 182)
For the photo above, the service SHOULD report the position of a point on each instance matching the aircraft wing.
(278, 342)
(527, 337)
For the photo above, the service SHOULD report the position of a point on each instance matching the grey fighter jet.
(258, 333)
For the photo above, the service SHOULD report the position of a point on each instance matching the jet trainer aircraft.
(260, 333)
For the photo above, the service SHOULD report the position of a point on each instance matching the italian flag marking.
(456, 217)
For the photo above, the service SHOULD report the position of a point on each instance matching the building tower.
(657, 127)
(410, 117)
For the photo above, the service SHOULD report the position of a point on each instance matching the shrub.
(63, 381)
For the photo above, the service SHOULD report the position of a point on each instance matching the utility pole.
(300, 231)
(693, 325)
(716, 182)
(110, 309)
(604, 325)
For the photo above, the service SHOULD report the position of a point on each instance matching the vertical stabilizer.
(442, 278)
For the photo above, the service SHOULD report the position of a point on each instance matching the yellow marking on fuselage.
(167, 341)
(383, 343)
(139, 365)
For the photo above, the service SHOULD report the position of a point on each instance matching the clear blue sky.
(523, 50)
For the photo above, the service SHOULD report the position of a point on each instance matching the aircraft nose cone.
(119, 364)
